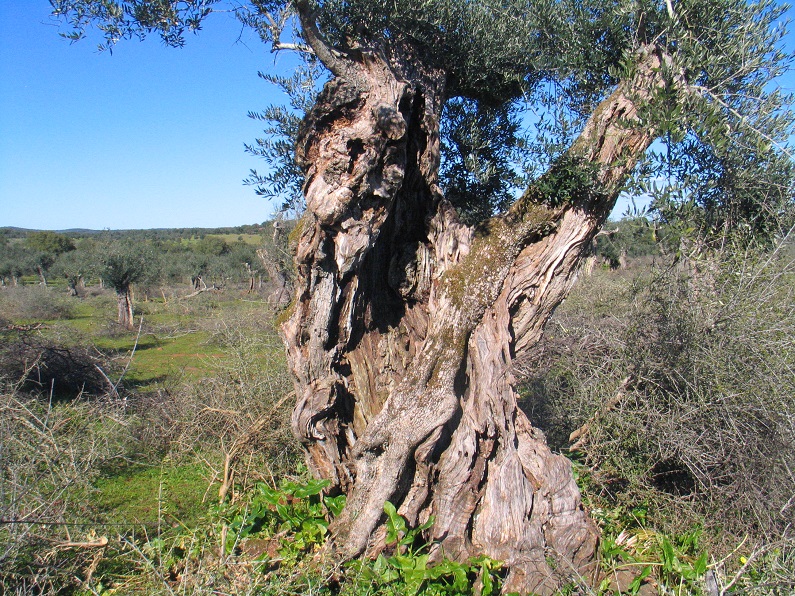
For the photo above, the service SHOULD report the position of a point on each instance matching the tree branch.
(578, 438)
(316, 41)
(613, 139)
(293, 47)
(743, 120)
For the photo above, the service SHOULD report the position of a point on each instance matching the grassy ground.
(145, 462)
(177, 338)
(251, 239)
(138, 473)
(146, 497)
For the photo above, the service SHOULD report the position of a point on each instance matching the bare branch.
(293, 47)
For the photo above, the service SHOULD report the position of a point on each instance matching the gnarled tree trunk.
(405, 322)
(280, 296)
(125, 307)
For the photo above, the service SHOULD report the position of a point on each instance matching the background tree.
(406, 319)
(41, 251)
(73, 266)
(212, 245)
(50, 242)
(119, 265)
(13, 262)
(481, 147)
(275, 256)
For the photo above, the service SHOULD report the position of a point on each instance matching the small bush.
(39, 303)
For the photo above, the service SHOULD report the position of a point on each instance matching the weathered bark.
(125, 307)
(405, 322)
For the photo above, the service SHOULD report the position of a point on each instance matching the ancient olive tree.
(407, 315)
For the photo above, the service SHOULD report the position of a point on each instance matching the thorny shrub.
(50, 454)
(684, 397)
(35, 303)
(238, 414)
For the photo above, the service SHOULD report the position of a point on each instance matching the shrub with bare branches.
(35, 302)
(50, 454)
(686, 399)
(236, 417)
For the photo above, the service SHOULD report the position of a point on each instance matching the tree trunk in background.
(125, 307)
(74, 282)
(405, 322)
(281, 291)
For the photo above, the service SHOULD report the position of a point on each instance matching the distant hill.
(15, 232)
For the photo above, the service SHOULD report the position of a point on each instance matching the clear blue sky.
(147, 137)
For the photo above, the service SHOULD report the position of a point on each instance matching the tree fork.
(405, 321)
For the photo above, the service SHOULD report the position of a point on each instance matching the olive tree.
(406, 316)
(73, 267)
(120, 265)
(15, 261)
(49, 242)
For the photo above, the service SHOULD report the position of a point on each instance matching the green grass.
(156, 356)
(155, 497)
(176, 337)
(251, 239)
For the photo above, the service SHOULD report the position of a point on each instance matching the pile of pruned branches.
(37, 363)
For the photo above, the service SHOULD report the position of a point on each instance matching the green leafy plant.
(675, 563)
(409, 569)
(294, 510)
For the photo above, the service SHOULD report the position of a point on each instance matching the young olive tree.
(406, 316)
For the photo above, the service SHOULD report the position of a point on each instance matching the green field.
(141, 461)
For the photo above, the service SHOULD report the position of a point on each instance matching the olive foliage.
(722, 163)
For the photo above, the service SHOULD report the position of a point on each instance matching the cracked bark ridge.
(405, 322)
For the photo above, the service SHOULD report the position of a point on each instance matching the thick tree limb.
(314, 38)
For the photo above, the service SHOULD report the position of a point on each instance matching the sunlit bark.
(405, 322)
